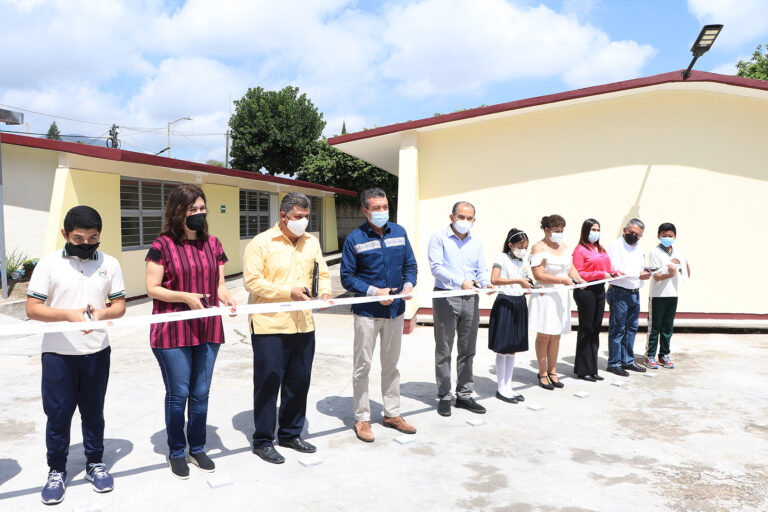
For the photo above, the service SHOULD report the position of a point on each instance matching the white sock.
(509, 368)
(501, 374)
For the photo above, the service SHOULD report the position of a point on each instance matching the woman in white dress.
(549, 314)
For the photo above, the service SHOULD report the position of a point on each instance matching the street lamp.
(169, 131)
(7, 117)
(702, 45)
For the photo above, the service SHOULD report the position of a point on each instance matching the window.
(254, 213)
(315, 214)
(141, 210)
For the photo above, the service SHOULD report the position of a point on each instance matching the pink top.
(591, 264)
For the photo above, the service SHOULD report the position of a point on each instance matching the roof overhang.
(380, 146)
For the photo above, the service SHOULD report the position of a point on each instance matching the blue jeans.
(187, 373)
(622, 327)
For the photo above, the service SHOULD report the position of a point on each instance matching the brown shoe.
(399, 424)
(363, 431)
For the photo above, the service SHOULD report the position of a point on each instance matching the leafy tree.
(53, 132)
(343, 127)
(215, 163)
(273, 130)
(327, 165)
(756, 67)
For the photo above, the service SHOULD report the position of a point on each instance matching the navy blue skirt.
(508, 327)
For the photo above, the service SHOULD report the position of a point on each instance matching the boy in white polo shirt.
(664, 292)
(74, 285)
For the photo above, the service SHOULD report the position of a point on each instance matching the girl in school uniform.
(508, 327)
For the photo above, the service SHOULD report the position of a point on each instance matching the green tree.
(215, 163)
(273, 130)
(343, 127)
(53, 132)
(756, 67)
(327, 165)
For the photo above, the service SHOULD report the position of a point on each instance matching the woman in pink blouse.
(593, 264)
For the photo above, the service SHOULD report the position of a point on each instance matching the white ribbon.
(250, 309)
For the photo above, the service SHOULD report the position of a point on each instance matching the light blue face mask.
(594, 236)
(667, 241)
(379, 219)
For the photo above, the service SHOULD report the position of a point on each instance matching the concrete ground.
(692, 438)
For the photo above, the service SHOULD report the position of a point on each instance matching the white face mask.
(519, 253)
(462, 226)
(594, 236)
(557, 237)
(297, 227)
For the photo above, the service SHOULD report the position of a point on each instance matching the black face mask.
(82, 251)
(196, 222)
(630, 238)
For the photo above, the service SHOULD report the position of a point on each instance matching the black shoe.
(588, 378)
(444, 407)
(299, 445)
(548, 384)
(179, 467)
(470, 405)
(633, 367)
(520, 398)
(557, 384)
(597, 377)
(202, 461)
(510, 400)
(618, 370)
(269, 454)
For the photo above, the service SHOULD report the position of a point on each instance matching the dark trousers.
(590, 302)
(71, 382)
(187, 374)
(661, 317)
(459, 318)
(281, 362)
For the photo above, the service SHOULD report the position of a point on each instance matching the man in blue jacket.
(377, 259)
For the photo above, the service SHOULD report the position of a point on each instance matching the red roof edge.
(121, 155)
(673, 76)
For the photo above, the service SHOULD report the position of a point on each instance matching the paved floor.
(693, 438)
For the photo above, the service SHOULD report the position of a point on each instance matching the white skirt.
(550, 313)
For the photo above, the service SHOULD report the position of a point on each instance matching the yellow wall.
(73, 187)
(696, 159)
(225, 226)
(330, 234)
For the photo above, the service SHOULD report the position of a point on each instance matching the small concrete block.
(535, 407)
(310, 461)
(219, 481)
(581, 394)
(476, 423)
(651, 375)
(618, 383)
(405, 439)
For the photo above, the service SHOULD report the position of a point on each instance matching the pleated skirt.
(508, 326)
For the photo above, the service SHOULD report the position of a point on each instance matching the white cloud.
(727, 68)
(743, 20)
(579, 8)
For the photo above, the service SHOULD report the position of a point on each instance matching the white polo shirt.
(628, 259)
(660, 258)
(68, 282)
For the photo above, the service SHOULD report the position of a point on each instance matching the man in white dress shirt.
(624, 298)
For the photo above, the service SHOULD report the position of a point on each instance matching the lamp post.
(7, 117)
(169, 131)
(702, 45)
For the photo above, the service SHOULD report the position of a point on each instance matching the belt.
(633, 290)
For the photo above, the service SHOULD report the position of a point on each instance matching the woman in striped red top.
(185, 270)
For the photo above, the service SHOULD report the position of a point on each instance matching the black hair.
(586, 227)
(667, 226)
(515, 235)
(82, 217)
(368, 193)
(552, 221)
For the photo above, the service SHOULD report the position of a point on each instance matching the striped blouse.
(192, 266)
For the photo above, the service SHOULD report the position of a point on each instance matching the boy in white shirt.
(663, 298)
(74, 285)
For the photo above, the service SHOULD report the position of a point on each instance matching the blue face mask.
(667, 241)
(594, 236)
(379, 219)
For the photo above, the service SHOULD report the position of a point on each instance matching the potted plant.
(28, 266)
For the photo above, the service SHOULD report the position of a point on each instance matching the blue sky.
(143, 63)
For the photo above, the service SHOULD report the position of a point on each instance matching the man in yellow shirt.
(279, 266)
